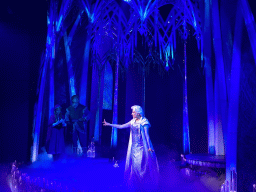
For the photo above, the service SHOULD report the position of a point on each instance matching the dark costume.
(141, 168)
(55, 137)
(77, 119)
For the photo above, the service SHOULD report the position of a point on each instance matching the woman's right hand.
(56, 123)
(62, 121)
(105, 123)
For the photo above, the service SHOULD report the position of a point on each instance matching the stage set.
(190, 65)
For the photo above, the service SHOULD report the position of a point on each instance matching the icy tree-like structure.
(105, 34)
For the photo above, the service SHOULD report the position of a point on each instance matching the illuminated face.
(75, 102)
(58, 110)
(135, 115)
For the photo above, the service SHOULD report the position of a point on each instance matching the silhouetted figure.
(77, 116)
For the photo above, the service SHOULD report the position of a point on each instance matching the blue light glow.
(186, 138)
(59, 23)
(72, 90)
(232, 127)
(115, 110)
(53, 52)
(83, 86)
(97, 127)
(144, 10)
(145, 18)
(108, 87)
(172, 51)
(38, 115)
(48, 20)
(48, 40)
(51, 88)
(250, 25)
(90, 16)
(220, 84)
(72, 85)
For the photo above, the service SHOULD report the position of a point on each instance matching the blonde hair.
(138, 109)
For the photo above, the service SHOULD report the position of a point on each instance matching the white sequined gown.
(141, 168)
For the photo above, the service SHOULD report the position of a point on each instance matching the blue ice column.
(96, 103)
(67, 42)
(186, 139)
(115, 109)
(250, 25)
(49, 59)
(83, 86)
(51, 85)
(220, 84)
(71, 77)
(52, 35)
(231, 152)
(38, 117)
(208, 77)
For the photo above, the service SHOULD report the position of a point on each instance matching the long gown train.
(141, 168)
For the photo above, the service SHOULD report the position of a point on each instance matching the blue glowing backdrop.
(84, 37)
(146, 36)
(180, 60)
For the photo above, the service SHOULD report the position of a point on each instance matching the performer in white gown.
(141, 168)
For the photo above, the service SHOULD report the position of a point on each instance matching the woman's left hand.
(150, 150)
(81, 119)
(105, 123)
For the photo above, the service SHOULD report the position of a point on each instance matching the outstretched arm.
(67, 115)
(86, 115)
(126, 125)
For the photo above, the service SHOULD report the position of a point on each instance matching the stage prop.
(100, 40)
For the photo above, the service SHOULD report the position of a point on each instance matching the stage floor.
(96, 175)
(206, 160)
(79, 174)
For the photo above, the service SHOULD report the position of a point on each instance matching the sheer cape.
(141, 165)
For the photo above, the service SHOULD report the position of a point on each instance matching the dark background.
(23, 29)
